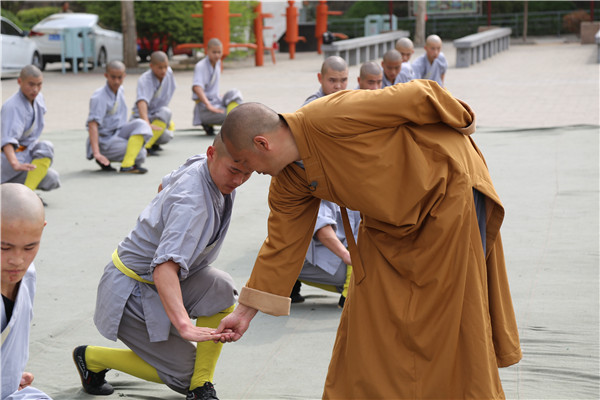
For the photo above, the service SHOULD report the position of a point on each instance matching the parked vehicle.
(108, 45)
(148, 45)
(17, 49)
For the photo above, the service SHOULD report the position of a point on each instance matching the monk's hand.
(199, 334)
(23, 166)
(233, 326)
(26, 380)
(102, 159)
(214, 109)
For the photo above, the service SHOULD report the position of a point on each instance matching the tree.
(420, 23)
(129, 33)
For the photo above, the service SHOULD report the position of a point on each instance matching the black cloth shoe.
(204, 392)
(43, 202)
(92, 382)
(342, 301)
(107, 168)
(133, 170)
(295, 295)
(153, 150)
(209, 129)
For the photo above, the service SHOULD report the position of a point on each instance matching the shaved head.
(158, 57)
(392, 56)
(433, 39)
(115, 65)
(214, 42)
(335, 63)
(404, 43)
(219, 146)
(19, 203)
(30, 71)
(246, 121)
(370, 68)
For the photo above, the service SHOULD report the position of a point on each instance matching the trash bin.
(77, 43)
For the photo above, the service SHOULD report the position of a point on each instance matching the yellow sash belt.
(127, 271)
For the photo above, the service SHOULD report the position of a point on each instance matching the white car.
(17, 49)
(107, 44)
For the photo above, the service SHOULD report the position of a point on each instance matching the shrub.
(572, 21)
(32, 16)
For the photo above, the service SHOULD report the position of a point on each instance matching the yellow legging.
(134, 145)
(100, 358)
(207, 353)
(35, 176)
(156, 134)
(333, 288)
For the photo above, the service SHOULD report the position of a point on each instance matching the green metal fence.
(451, 27)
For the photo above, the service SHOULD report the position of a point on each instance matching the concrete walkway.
(538, 113)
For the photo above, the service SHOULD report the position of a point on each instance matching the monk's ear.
(261, 143)
(210, 152)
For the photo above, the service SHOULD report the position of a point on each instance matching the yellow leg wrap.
(347, 283)
(172, 126)
(231, 106)
(34, 177)
(99, 358)
(134, 145)
(156, 134)
(207, 353)
(329, 288)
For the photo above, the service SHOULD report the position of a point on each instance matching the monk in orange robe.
(429, 312)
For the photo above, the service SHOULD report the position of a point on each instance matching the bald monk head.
(23, 221)
(406, 48)
(334, 75)
(391, 64)
(370, 76)
(226, 173)
(159, 64)
(257, 138)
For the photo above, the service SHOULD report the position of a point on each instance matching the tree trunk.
(525, 17)
(129, 34)
(420, 23)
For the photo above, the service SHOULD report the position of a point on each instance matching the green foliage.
(10, 15)
(32, 16)
(361, 9)
(172, 18)
(242, 28)
(109, 13)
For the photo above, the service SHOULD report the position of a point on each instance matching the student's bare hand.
(214, 109)
(23, 167)
(233, 326)
(26, 380)
(199, 334)
(102, 159)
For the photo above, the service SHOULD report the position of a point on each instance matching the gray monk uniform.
(434, 71)
(21, 124)
(406, 75)
(157, 95)
(318, 94)
(321, 264)
(186, 223)
(15, 342)
(110, 112)
(208, 79)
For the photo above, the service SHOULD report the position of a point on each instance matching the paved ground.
(538, 116)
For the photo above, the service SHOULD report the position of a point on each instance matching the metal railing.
(541, 23)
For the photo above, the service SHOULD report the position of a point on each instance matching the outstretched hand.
(199, 334)
(26, 380)
(233, 326)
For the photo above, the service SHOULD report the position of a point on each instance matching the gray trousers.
(41, 149)
(312, 273)
(204, 117)
(114, 148)
(205, 293)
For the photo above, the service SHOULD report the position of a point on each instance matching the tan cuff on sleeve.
(467, 130)
(266, 302)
